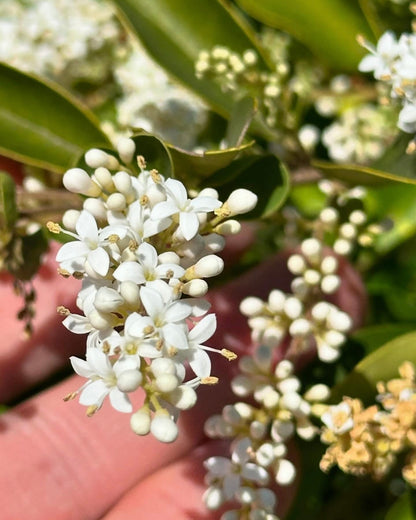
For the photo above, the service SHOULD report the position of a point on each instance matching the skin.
(57, 463)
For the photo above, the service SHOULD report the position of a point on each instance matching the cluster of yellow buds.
(366, 441)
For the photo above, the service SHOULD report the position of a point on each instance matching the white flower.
(381, 58)
(103, 378)
(147, 268)
(234, 472)
(407, 118)
(188, 209)
(338, 418)
(88, 246)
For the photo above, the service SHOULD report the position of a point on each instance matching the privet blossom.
(143, 248)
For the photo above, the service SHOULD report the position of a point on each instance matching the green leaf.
(155, 153)
(373, 336)
(265, 175)
(193, 167)
(8, 207)
(396, 161)
(404, 507)
(356, 174)
(380, 365)
(396, 202)
(241, 117)
(175, 31)
(41, 124)
(327, 27)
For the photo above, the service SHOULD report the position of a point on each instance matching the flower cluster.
(150, 100)
(393, 62)
(281, 92)
(261, 431)
(360, 134)
(368, 440)
(63, 39)
(143, 249)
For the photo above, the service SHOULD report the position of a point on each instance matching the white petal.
(120, 401)
(175, 337)
(164, 209)
(72, 250)
(94, 393)
(204, 329)
(177, 191)
(87, 226)
(152, 301)
(177, 311)
(81, 367)
(77, 324)
(189, 224)
(130, 271)
(147, 255)
(147, 349)
(204, 204)
(99, 261)
(99, 362)
(200, 363)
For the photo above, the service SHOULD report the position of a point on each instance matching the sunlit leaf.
(175, 31)
(380, 365)
(240, 119)
(193, 167)
(404, 508)
(364, 175)
(328, 28)
(41, 124)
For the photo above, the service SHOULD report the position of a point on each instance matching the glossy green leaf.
(373, 336)
(364, 175)
(175, 31)
(155, 153)
(395, 202)
(404, 508)
(193, 167)
(41, 124)
(241, 117)
(327, 27)
(265, 175)
(380, 365)
(8, 207)
(396, 161)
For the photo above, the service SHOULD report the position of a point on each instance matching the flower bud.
(126, 149)
(240, 201)
(286, 473)
(70, 218)
(229, 227)
(195, 288)
(166, 382)
(78, 181)
(183, 397)
(107, 300)
(210, 265)
(104, 178)
(276, 300)
(96, 158)
(96, 207)
(330, 283)
(130, 292)
(251, 306)
(296, 264)
(122, 182)
(140, 422)
(163, 427)
(116, 202)
(129, 380)
(311, 248)
(162, 366)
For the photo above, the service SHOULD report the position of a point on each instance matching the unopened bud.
(126, 149)
(77, 180)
